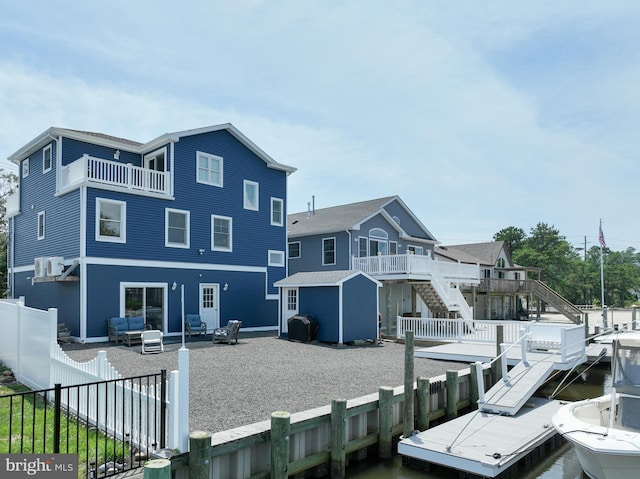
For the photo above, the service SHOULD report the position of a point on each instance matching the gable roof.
(486, 253)
(455, 255)
(322, 278)
(347, 217)
(136, 147)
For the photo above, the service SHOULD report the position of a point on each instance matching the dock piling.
(280, 433)
(338, 437)
(199, 454)
(409, 414)
(423, 404)
(385, 422)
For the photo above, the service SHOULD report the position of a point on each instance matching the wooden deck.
(484, 444)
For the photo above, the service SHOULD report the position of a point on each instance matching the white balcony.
(92, 171)
(417, 267)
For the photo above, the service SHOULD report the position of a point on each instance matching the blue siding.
(322, 303)
(74, 149)
(244, 298)
(62, 215)
(311, 253)
(65, 296)
(406, 221)
(359, 309)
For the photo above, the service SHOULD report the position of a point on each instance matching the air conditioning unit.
(55, 265)
(39, 266)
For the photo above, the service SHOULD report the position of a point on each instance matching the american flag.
(601, 238)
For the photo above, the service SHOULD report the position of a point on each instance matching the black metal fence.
(112, 425)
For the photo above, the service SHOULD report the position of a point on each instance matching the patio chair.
(194, 325)
(228, 333)
(152, 342)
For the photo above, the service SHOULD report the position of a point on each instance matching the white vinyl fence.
(28, 345)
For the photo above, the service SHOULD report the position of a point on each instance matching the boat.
(605, 431)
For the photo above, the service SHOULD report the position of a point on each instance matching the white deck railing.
(125, 175)
(412, 264)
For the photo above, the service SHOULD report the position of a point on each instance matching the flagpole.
(602, 246)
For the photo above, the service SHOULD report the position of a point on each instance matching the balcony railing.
(89, 169)
(417, 265)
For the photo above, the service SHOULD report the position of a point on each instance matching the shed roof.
(321, 278)
(486, 253)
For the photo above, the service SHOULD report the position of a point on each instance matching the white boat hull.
(603, 452)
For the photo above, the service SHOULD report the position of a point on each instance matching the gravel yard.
(236, 385)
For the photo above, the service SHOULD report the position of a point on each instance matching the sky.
(479, 115)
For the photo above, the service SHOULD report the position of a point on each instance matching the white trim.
(335, 252)
(187, 214)
(281, 201)
(83, 300)
(42, 225)
(123, 221)
(246, 202)
(146, 159)
(299, 249)
(172, 265)
(228, 249)
(144, 284)
(44, 150)
(274, 252)
(340, 314)
(209, 156)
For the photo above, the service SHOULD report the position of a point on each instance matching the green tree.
(546, 248)
(8, 184)
(512, 236)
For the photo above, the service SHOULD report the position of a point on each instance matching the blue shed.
(344, 304)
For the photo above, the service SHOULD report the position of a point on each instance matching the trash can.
(302, 327)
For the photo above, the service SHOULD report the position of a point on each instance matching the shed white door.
(289, 306)
(210, 305)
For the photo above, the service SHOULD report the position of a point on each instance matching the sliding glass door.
(147, 300)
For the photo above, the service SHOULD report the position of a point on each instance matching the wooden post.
(474, 395)
(453, 394)
(199, 455)
(586, 329)
(408, 416)
(338, 438)
(385, 422)
(157, 469)
(496, 367)
(280, 430)
(423, 404)
(633, 317)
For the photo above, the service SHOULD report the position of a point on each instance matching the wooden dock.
(484, 444)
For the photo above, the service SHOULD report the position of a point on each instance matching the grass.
(27, 425)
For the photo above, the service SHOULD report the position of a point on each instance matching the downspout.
(58, 141)
(350, 250)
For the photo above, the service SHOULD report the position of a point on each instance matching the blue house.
(383, 238)
(103, 226)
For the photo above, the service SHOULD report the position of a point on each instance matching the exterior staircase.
(443, 300)
(549, 296)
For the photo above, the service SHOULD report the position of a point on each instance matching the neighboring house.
(383, 238)
(506, 290)
(103, 227)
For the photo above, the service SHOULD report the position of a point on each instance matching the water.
(559, 464)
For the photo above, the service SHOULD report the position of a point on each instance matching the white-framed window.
(209, 169)
(363, 247)
(292, 299)
(156, 160)
(393, 247)
(221, 233)
(294, 249)
(41, 225)
(47, 159)
(378, 244)
(25, 167)
(177, 228)
(276, 258)
(251, 195)
(419, 250)
(328, 251)
(277, 212)
(111, 220)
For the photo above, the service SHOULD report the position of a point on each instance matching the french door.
(148, 300)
